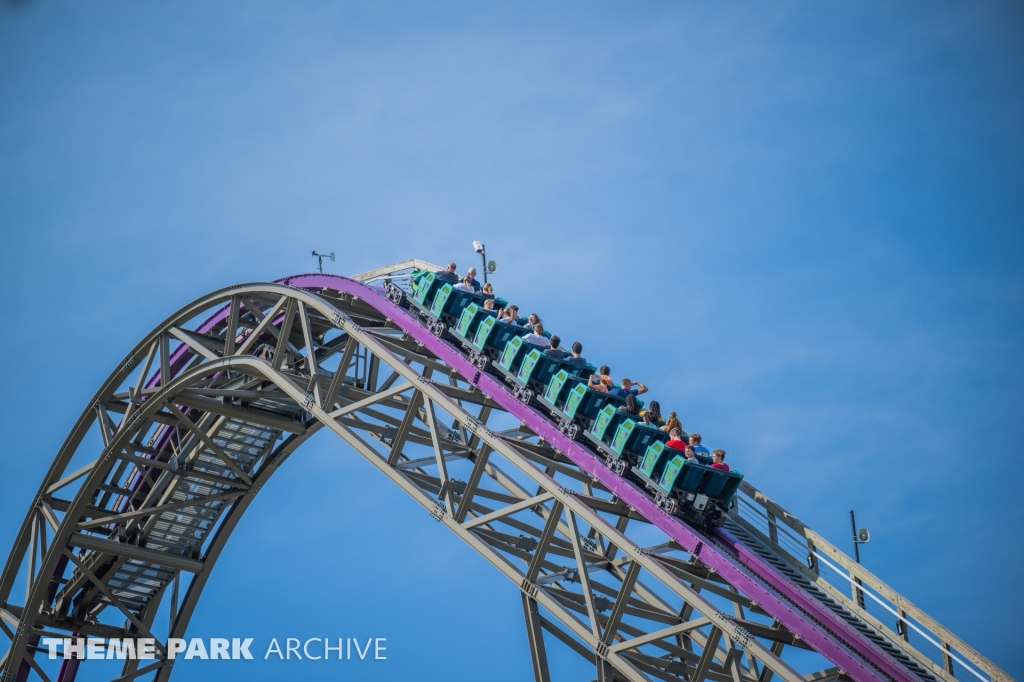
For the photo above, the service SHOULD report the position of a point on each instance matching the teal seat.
(483, 332)
(623, 434)
(715, 483)
(634, 437)
(415, 278)
(671, 472)
(449, 302)
(494, 336)
(533, 363)
(722, 485)
(513, 353)
(425, 288)
(462, 300)
(472, 315)
(586, 403)
(437, 306)
(608, 421)
(681, 475)
(731, 487)
(564, 382)
(694, 478)
(652, 464)
(539, 369)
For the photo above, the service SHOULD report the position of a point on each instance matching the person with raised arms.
(601, 381)
(509, 314)
(627, 387)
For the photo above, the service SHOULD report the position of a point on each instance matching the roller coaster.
(202, 412)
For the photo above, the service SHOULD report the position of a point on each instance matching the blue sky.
(799, 223)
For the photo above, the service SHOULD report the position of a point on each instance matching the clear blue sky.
(799, 223)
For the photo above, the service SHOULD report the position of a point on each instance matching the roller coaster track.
(204, 410)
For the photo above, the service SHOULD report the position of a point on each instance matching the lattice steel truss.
(206, 408)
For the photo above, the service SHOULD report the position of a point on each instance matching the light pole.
(488, 266)
(860, 537)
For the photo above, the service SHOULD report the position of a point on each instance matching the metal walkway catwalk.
(205, 409)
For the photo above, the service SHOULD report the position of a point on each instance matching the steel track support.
(524, 535)
(535, 634)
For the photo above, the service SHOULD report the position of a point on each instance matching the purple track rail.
(812, 621)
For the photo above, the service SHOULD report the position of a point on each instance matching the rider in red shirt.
(676, 440)
(718, 460)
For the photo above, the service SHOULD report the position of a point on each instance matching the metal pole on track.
(482, 250)
(856, 542)
(856, 557)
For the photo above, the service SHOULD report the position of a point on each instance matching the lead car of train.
(689, 489)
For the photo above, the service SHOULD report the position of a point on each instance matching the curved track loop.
(182, 458)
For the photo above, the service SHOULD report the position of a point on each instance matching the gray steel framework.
(206, 408)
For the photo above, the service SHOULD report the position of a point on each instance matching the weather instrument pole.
(320, 260)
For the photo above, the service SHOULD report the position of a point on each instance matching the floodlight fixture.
(482, 250)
